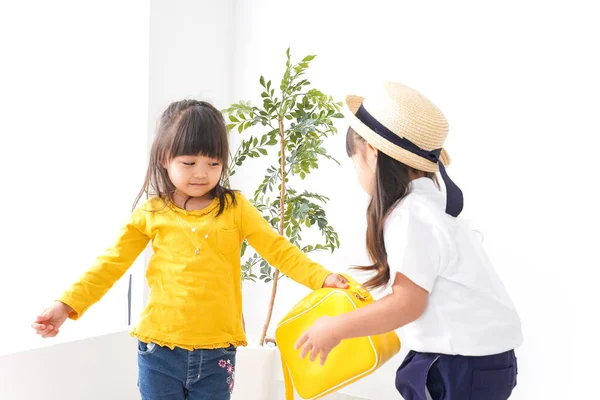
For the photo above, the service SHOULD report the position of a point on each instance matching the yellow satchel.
(352, 360)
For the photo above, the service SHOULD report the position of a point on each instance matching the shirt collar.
(422, 184)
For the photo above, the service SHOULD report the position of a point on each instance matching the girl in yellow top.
(192, 324)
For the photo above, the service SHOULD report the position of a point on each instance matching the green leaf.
(310, 115)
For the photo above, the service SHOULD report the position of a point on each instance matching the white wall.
(518, 82)
(73, 117)
(190, 53)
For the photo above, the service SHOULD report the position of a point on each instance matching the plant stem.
(281, 231)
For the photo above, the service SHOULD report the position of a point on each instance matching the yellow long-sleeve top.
(195, 300)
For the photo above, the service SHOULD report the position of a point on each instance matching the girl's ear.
(370, 156)
(371, 152)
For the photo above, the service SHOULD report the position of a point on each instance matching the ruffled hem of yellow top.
(162, 343)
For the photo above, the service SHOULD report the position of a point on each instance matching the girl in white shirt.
(460, 323)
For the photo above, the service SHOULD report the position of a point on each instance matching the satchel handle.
(357, 289)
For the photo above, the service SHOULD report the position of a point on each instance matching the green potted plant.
(295, 120)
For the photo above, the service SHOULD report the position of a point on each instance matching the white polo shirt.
(469, 311)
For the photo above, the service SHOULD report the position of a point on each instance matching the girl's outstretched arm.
(108, 268)
(280, 253)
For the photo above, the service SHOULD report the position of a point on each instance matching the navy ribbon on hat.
(454, 196)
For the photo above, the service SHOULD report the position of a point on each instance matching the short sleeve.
(413, 247)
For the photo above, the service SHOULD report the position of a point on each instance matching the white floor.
(280, 394)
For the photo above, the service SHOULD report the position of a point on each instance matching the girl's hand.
(47, 324)
(335, 281)
(320, 338)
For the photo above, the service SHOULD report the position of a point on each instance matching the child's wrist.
(326, 274)
(66, 307)
(337, 330)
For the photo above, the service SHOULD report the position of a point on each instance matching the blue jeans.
(179, 374)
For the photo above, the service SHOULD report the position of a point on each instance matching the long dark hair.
(391, 185)
(187, 127)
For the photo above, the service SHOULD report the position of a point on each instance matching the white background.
(518, 82)
(73, 112)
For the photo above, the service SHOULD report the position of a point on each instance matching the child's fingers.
(301, 341)
(44, 316)
(306, 349)
(324, 355)
(53, 332)
(313, 354)
(341, 282)
(44, 332)
(41, 329)
(48, 331)
(38, 327)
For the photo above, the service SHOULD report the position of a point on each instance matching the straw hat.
(408, 127)
(403, 124)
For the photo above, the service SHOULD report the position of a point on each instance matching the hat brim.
(352, 104)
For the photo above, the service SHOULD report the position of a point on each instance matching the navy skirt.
(457, 377)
